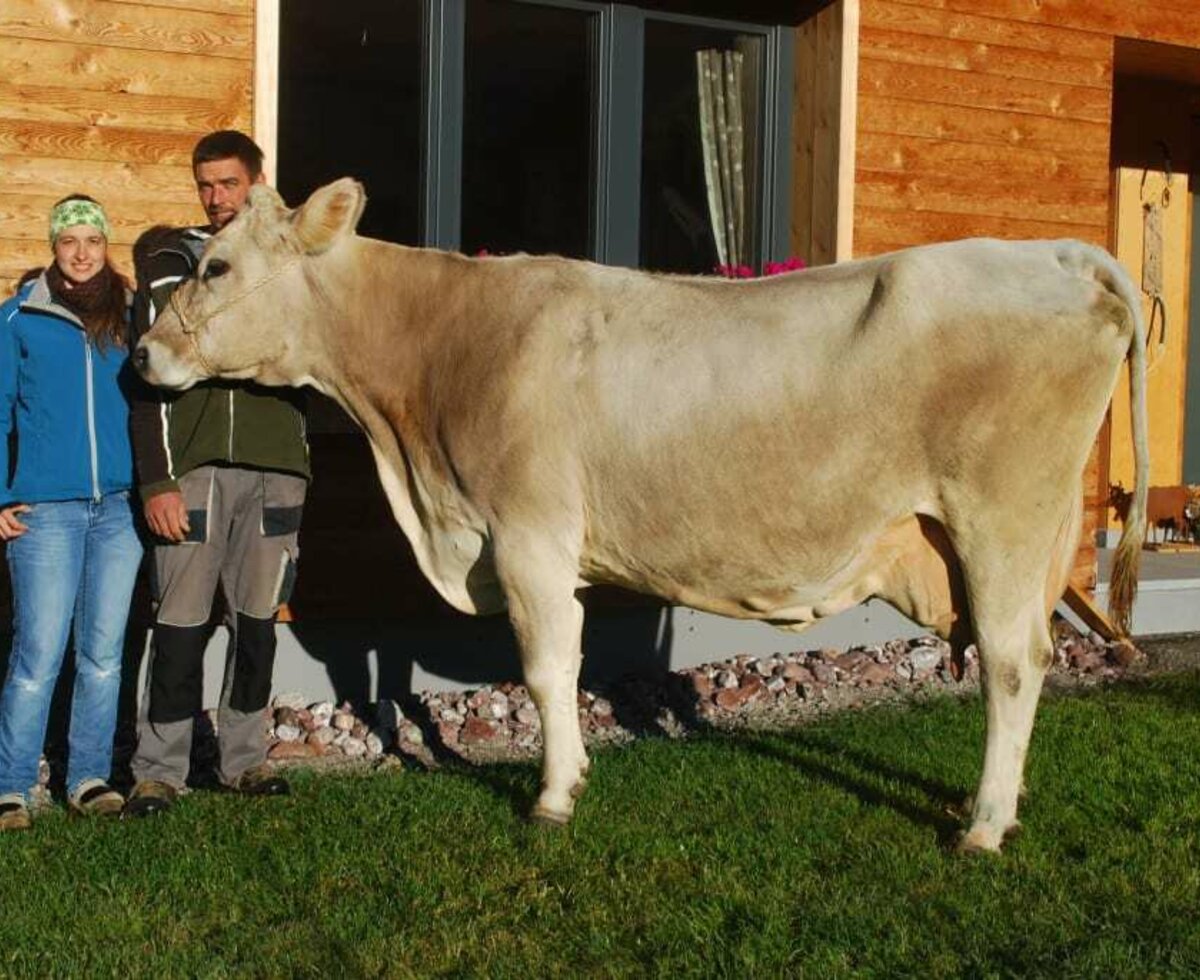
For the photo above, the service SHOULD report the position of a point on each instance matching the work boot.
(95, 798)
(260, 781)
(14, 813)
(149, 798)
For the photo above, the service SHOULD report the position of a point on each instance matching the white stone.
(321, 711)
(354, 748)
(925, 659)
(288, 733)
(290, 699)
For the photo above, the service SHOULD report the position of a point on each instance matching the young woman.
(73, 551)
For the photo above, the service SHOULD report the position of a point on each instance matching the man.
(222, 470)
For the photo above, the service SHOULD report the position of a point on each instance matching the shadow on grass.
(639, 704)
(860, 774)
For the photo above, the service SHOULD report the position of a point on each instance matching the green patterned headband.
(77, 212)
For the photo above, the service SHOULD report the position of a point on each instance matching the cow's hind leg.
(1014, 651)
(548, 621)
(1010, 611)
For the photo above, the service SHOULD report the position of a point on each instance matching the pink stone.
(874, 675)
(476, 730)
(797, 672)
(291, 750)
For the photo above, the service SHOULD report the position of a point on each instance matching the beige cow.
(912, 426)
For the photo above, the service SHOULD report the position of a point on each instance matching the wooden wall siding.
(824, 134)
(1168, 21)
(993, 117)
(108, 97)
(979, 125)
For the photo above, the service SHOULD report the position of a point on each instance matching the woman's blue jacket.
(66, 402)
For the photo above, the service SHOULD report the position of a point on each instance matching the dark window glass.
(527, 110)
(677, 221)
(350, 106)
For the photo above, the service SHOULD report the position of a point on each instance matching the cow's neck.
(393, 296)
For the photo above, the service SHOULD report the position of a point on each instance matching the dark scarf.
(87, 300)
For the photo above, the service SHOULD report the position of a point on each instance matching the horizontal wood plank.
(167, 122)
(879, 229)
(1169, 21)
(26, 215)
(907, 154)
(971, 89)
(1056, 68)
(1081, 140)
(102, 179)
(235, 7)
(94, 68)
(127, 25)
(916, 18)
(983, 194)
(95, 144)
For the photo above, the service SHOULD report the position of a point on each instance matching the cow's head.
(257, 293)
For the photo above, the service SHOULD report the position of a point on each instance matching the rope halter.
(191, 328)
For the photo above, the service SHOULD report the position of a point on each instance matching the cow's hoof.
(978, 842)
(984, 840)
(541, 817)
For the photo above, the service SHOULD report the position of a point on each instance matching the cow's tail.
(1123, 587)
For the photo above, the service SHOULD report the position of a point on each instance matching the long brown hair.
(102, 303)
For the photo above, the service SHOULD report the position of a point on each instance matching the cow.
(912, 426)
(1169, 510)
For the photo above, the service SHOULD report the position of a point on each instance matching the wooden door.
(1167, 380)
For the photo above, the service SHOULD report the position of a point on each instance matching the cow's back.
(767, 432)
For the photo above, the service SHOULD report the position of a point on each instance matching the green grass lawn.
(819, 853)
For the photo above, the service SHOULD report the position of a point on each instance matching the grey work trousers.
(243, 538)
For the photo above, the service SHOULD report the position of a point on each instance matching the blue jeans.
(78, 560)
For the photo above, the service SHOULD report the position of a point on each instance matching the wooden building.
(878, 124)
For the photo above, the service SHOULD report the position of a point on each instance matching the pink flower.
(769, 269)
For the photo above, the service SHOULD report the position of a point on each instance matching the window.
(564, 126)
(526, 161)
(701, 118)
(350, 93)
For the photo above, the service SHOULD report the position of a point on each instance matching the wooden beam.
(1094, 618)
(266, 84)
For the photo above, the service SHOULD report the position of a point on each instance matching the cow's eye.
(215, 268)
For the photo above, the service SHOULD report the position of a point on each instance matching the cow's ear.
(331, 212)
(264, 196)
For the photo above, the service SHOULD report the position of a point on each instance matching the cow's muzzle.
(157, 365)
(141, 358)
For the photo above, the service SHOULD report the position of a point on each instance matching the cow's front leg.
(548, 622)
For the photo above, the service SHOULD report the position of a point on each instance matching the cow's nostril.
(141, 358)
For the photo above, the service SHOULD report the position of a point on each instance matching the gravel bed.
(499, 722)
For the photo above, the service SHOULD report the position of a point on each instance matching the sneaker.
(260, 781)
(149, 798)
(14, 813)
(95, 798)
